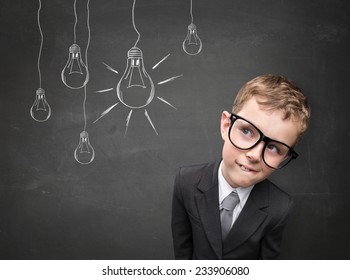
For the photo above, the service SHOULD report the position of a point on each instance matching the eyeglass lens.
(244, 136)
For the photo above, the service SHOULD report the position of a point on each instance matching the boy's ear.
(225, 124)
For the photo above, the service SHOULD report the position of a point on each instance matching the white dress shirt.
(225, 189)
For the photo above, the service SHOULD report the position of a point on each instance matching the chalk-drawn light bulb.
(192, 45)
(135, 88)
(84, 152)
(40, 110)
(75, 74)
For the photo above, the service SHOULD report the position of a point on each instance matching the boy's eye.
(277, 149)
(248, 131)
(273, 148)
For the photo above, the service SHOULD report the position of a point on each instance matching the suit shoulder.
(191, 175)
(194, 168)
(275, 190)
(278, 198)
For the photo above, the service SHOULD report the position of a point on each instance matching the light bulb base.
(84, 134)
(192, 27)
(40, 91)
(134, 52)
(74, 48)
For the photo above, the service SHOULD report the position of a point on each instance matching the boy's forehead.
(257, 106)
(253, 103)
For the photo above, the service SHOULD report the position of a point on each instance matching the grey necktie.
(228, 204)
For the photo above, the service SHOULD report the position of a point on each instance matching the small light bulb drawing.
(135, 88)
(84, 152)
(40, 110)
(192, 44)
(75, 74)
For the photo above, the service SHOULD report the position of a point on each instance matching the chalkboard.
(119, 205)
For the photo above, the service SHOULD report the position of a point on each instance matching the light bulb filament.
(40, 103)
(134, 74)
(74, 64)
(84, 146)
(192, 37)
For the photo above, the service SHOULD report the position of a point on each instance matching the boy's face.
(244, 168)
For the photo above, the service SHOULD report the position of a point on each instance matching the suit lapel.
(207, 200)
(252, 216)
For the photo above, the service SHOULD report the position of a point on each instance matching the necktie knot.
(230, 201)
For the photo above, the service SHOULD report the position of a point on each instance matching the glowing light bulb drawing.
(75, 74)
(135, 88)
(192, 44)
(84, 152)
(40, 110)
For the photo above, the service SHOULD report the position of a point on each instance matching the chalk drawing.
(84, 153)
(75, 74)
(40, 110)
(135, 88)
(192, 44)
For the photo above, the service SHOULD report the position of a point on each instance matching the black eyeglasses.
(244, 135)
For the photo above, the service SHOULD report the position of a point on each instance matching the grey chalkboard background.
(119, 206)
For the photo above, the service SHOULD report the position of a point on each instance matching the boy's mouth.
(246, 168)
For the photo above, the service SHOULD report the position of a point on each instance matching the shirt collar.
(225, 189)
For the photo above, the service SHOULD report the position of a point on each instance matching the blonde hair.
(276, 93)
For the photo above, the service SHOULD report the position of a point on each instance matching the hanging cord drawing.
(191, 12)
(75, 23)
(40, 110)
(41, 43)
(86, 58)
(133, 23)
(84, 152)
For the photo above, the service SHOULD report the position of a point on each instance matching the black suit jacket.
(196, 226)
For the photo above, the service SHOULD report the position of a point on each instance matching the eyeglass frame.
(263, 138)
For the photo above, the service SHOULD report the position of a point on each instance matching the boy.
(228, 209)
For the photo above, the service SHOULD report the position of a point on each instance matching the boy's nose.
(255, 154)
